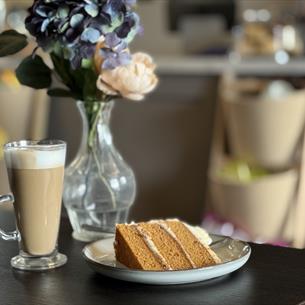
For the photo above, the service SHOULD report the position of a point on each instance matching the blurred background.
(220, 141)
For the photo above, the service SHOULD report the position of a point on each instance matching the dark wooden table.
(273, 275)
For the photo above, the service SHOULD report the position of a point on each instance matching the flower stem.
(94, 115)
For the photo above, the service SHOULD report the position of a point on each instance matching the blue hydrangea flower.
(77, 25)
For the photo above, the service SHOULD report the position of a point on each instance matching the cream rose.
(132, 81)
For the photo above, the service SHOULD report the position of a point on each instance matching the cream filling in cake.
(169, 231)
(151, 245)
(200, 234)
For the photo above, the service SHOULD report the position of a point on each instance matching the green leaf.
(34, 73)
(89, 84)
(60, 92)
(63, 69)
(12, 42)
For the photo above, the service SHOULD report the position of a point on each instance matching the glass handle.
(8, 235)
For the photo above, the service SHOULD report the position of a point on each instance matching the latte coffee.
(36, 180)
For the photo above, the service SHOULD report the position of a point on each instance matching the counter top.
(216, 65)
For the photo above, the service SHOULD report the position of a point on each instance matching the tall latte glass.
(36, 173)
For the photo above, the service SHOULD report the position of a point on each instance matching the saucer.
(233, 254)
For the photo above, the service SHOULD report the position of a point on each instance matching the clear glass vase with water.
(99, 185)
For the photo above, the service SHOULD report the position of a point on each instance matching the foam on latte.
(28, 158)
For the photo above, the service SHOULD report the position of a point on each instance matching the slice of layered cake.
(163, 245)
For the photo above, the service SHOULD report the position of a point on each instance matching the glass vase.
(100, 187)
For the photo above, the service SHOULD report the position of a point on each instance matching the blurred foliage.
(3, 140)
(241, 171)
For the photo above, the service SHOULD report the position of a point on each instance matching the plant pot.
(265, 132)
(261, 207)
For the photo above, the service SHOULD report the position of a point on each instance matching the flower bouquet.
(87, 42)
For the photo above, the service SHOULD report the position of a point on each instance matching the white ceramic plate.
(233, 254)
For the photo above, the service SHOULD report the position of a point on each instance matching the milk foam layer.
(28, 158)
